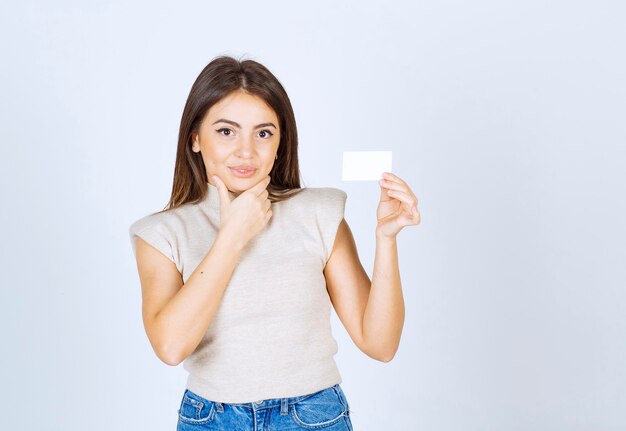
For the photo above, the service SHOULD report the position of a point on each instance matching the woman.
(239, 271)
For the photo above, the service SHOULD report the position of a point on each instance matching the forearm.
(384, 313)
(185, 319)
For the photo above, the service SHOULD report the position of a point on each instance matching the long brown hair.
(218, 79)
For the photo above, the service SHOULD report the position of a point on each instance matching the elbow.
(170, 360)
(381, 356)
(169, 355)
(165, 346)
(386, 358)
(386, 354)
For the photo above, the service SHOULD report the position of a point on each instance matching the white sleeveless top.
(271, 336)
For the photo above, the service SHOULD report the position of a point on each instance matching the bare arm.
(373, 311)
(176, 315)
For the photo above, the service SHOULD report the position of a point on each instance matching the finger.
(392, 185)
(388, 185)
(403, 197)
(384, 194)
(395, 187)
(413, 219)
(223, 191)
(393, 177)
(261, 186)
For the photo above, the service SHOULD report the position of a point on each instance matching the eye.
(224, 129)
(266, 131)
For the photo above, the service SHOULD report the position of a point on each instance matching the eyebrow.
(223, 120)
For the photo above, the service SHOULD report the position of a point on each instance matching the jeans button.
(259, 402)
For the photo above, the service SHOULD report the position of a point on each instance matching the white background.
(506, 118)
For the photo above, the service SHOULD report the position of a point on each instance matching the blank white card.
(365, 165)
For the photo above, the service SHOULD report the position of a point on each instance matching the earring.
(276, 157)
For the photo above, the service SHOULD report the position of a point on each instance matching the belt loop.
(220, 407)
(284, 406)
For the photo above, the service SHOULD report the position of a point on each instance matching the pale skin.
(372, 311)
(176, 315)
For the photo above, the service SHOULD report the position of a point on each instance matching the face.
(240, 131)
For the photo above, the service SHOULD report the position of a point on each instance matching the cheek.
(214, 166)
(215, 159)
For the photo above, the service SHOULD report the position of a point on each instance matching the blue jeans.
(326, 410)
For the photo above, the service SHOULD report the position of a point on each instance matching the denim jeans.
(326, 410)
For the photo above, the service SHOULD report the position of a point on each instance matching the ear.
(195, 145)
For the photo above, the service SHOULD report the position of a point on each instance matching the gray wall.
(506, 118)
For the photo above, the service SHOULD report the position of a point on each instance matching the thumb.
(383, 193)
(223, 191)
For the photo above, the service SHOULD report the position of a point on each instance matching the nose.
(245, 149)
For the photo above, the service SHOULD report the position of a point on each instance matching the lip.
(249, 171)
(243, 167)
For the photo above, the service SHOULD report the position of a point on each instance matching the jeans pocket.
(194, 409)
(319, 410)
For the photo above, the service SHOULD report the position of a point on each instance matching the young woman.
(238, 273)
